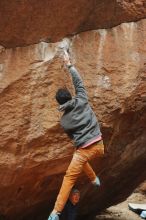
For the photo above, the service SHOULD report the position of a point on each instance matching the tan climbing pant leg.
(89, 171)
(78, 163)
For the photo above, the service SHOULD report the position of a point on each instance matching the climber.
(70, 210)
(80, 123)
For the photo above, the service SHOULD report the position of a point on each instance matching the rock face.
(28, 22)
(34, 150)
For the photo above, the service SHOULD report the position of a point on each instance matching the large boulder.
(34, 150)
(28, 22)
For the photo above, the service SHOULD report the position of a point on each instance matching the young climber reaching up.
(81, 125)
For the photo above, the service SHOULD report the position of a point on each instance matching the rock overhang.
(27, 22)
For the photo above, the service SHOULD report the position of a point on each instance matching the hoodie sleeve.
(78, 83)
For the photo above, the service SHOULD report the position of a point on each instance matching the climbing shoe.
(96, 182)
(53, 216)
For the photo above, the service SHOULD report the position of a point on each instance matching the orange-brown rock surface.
(28, 22)
(34, 150)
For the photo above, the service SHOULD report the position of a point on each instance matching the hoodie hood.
(67, 106)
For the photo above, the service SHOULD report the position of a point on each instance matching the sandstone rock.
(28, 22)
(34, 150)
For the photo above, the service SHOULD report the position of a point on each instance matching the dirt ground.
(121, 211)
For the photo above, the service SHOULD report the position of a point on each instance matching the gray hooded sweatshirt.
(79, 120)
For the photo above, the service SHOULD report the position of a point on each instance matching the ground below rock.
(121, 211)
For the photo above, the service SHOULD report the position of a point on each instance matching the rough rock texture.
(112, 64)
(27, 22)
(34, 150)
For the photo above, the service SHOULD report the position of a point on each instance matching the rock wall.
(34, 150)
(28, 22)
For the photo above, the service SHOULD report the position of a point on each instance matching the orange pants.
(78, 164)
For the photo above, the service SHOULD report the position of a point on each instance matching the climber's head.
(63, 95)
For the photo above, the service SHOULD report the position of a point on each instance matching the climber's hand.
(66, 58)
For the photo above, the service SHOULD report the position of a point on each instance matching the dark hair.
(74, 190)
(63, 95)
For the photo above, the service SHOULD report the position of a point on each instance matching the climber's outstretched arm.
(76, 78)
